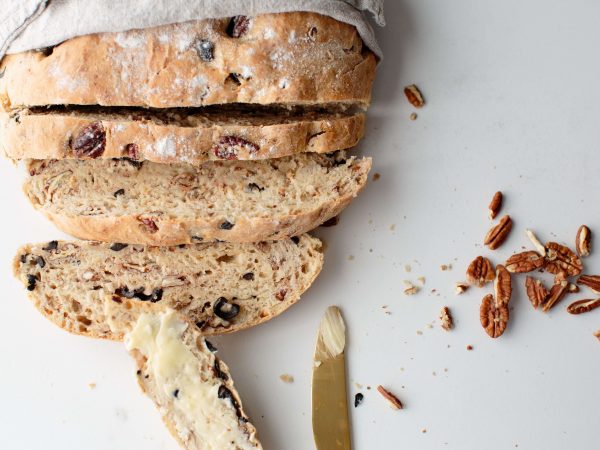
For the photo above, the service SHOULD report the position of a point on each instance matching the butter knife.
(331, 427)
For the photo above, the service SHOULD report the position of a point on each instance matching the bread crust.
(49, 136)
(286, 58)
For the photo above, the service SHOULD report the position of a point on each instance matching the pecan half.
(525, 262)
(583, 306)
(561, 258)
(391, 398)
(591, 281)
(498, 233)
(414, 96)
(583, 241)
(502, 285)
(536, 291)
(493, 316)
(446, 320)
(557, 293)
(536, 242)
(480, 271)
(495, 205)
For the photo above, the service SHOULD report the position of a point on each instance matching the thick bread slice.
(295, 58)
(174, 135)
(171, 204)
(190, 386)
(220, 287)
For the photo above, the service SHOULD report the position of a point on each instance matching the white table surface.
(513, 104)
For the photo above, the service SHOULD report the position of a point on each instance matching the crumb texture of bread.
(156, 204)
(179, 135)
(219, 287)
(189, 385)
(286, 58)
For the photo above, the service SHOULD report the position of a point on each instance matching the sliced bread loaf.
(169, 204)
(190, 386)
(297, 58)
(192, 136)
(220, 287)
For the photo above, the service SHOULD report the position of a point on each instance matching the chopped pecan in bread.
(172, 204)
(67, 280)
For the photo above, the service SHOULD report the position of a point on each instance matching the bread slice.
(297, 58)
(190, 386)
(159, 204)
(220, 287)
(177, 135)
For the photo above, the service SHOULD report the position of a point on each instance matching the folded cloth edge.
(43, 23)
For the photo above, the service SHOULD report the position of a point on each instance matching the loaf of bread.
(170, 204)
(178, 370)
(219, 287)
(175, 135)
(296, 58)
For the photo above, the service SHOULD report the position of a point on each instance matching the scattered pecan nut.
(446, 320)
(536, 291)
(414, 96)
(460, 287)
(583, 241)
(556, 294)
(502, 285)
(480, 271)
(525, 262)
(583, 306)
(591, 281)
(597, 334)
(90, 142)
(495, 205)
(493, 316)
(498, 233)
(561, 258)
(391, 398)
(536, 242)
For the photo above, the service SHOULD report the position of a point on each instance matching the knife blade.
(331, 427)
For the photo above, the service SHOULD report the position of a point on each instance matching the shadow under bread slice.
(220, 287)
(169, 204)
(178, 370)
(190, 135)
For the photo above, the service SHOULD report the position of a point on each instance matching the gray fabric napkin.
(30, 24)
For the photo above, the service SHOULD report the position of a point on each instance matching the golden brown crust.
(287, 58)
(176, 232)
(49, 136)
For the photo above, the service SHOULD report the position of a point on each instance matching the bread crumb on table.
(376, 176)
(92, 385)
(286, 378)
